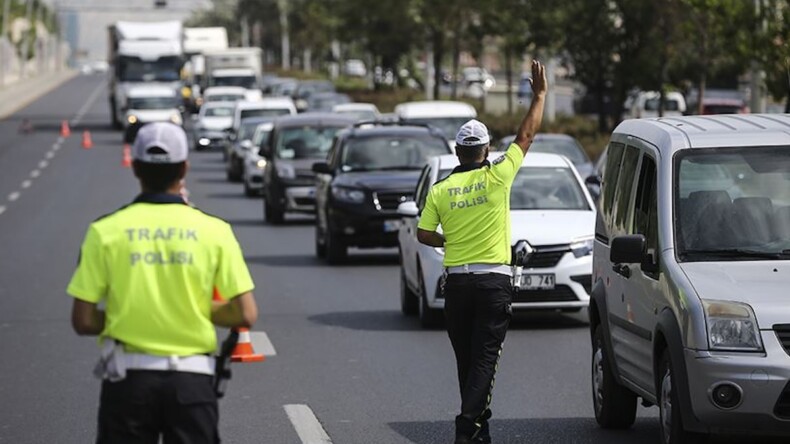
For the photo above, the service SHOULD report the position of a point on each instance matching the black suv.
(371, 169)
(295, 143)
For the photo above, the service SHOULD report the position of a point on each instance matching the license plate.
(537, 282)
(391, 225)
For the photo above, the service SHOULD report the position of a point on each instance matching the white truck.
(198, 41)
(235, 67)
(143, 53)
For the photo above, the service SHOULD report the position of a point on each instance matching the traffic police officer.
(473, 207)
(153, 265)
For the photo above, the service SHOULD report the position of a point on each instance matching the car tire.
(614, 405)
(273, 214)
(320, 243)
(429, 317)
(670, 418)
(408, 300)
(336, 250)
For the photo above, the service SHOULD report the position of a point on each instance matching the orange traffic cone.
(244, 351)
(87, 143)
(127, 157)
(64, 129)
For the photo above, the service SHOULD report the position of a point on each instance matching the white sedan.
(550, 208)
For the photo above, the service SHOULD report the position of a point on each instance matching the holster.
(111, 364)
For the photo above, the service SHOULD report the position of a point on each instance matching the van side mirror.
(628, 249)
(265, 151)
(322, 168)
(408, 209)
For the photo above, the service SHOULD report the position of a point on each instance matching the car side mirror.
(408, 209)
(593, 180)
(593, 186)
(246, 144)
(265, 151)
(521, 253)
(322, 168)
(628, 249)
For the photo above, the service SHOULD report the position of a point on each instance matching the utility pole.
(4, 46)
(284, 39)
(26, 39)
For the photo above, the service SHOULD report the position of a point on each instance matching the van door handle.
(622, 269)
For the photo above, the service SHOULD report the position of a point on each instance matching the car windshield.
(565, 147)
(261, 133)
(247, 82)
(360, 115)
(391, 152)
(733, 204)
(153, 103)
(542, 188)
(267, 112)
(669, 104)
(447, 125)
(224, 98)
(325, 103)
(219, 112)
(306, 89)
(306, 142)
(163, 69)
(247, 129)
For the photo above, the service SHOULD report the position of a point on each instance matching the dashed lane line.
(262, 344)
(43, 164)
(86, 106)
(35, 173)
(13, 196)
(2, 209)
(307, 426)
(27, 183)
(50, 154)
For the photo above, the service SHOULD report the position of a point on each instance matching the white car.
(645, 104)
(551, 209)
(254, 163)
(211, 123)
(266, 107)
(152, 103)
(447, 116)
(360, 111)
(224, 94)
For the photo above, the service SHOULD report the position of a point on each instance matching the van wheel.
(429, 317)
(408, 300)
(615, 405)
(671, 422)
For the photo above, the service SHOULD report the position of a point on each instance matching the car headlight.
(261, 164)
(348, 194)
(132, 119)
(286, 171)
(582, 246)
(732, 326)
(176, 118)
(203, 141)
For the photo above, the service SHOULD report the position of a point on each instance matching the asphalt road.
(343, 349)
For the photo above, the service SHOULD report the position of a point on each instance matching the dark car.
(307, 88)
(556, 144)
(241, 143)
(294, 145)
(371, 169)
(325, 101)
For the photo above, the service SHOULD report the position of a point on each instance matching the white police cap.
(160, 142)
(472, 133)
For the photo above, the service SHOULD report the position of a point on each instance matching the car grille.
(545, 257)
(391, 200)
(560, 293)
(585, 280)
(304, 201)
(783, 334)
(782, 407)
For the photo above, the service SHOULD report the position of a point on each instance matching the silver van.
(690, 306)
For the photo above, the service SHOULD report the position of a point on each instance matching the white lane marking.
(306, 424)
(43, 164)
(60, 140)
(50, 154)
(13, 196)
(262, 344)
(27, 183)
(86, 106)
(55, 147)
(35, 173)
(2, 209)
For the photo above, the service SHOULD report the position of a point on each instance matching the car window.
(306, 142)
(247, 130)
(153, 103)
(391, 152)
(611, 174)
(248, 82)
(261, 134)
(224, 98)
(219, 112)
(541, 188)
(625, 184)
(267, 112)
(564, 147)
(447, 125)
(646, 206)
(423, 187)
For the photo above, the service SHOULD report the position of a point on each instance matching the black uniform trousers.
(180, 407)
(477, 310)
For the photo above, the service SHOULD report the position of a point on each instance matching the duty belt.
(190, 364)
(481, 269)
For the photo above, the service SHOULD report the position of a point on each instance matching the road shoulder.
(18, 95)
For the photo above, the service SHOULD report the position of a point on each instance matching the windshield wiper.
(739, 253)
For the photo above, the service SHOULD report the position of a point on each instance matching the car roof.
(151, 91)
(232, 72)
(254, 120)
(388, 130)
(224, 90)
(435, 108)
(266, 103)
(355, 106)
(222, 104)
(672, 134)
(314, 119)
(541, 160)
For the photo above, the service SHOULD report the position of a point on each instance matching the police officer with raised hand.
(472, 205)
(153, 265)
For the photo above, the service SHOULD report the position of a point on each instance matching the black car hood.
(400, 180)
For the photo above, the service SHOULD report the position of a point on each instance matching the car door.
(410, 245)
(641, 285)
(625, 334)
